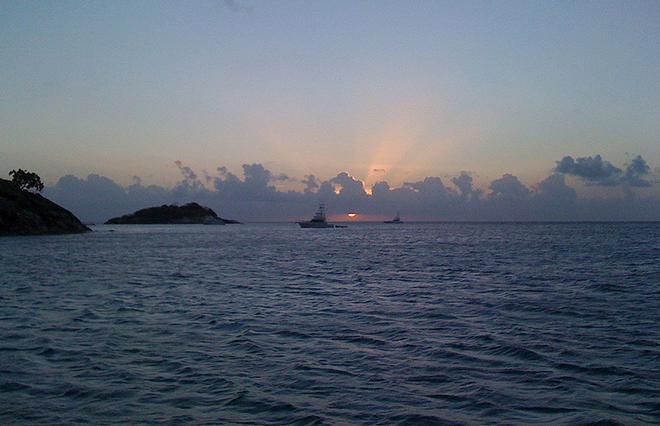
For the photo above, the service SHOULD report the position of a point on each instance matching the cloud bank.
(254, 196)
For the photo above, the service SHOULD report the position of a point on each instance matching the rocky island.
(191, 213)
(25, 213)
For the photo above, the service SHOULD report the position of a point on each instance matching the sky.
(378, 90)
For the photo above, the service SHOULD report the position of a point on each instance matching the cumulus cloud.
(255, 185)
(186, 171)
(555, 188)
(596, 171)
(348, 186)
(431, 186)
(508, 187)
(464, 184)
(634, 172)
(380, 189)
(591, 169)
(190, 181)
(311, 184)
(254, 195)
(98, 198)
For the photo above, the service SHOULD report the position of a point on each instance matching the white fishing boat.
(318, 221)
(397, 219)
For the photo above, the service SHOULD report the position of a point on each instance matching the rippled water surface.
(377, 324)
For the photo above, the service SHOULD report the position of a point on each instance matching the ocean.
(448, 323)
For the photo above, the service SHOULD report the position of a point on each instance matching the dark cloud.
(554, 187)
(596, 171)
(634, 172)
(464, 184)
(254, 196)
(591, 169)
(98, 198)
(257, 175)
(190, 182)
(311, 184)
(255, 185)
(380, 189)
(430, 186)
(260, 175)
(553, 197)
(186, 171)
(348, 186)
(508, 187)
(225, 176)
(208, 179)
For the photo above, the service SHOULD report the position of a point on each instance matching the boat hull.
(315, 225)
(318, 221)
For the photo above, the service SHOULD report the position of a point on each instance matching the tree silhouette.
(26, 180)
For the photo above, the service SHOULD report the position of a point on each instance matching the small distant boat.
(397, 219)
(319, 221)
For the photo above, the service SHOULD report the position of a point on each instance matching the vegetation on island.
(190, 213)
(25, 212)
(26, 180)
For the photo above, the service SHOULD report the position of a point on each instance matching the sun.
(352, 215)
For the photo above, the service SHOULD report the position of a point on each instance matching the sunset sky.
(382, 90)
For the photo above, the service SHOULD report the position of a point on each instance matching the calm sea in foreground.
(377, 324)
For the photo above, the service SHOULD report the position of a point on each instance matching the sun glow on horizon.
(396, 141)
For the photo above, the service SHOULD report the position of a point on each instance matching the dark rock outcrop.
(25, 213)
(191, 213)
